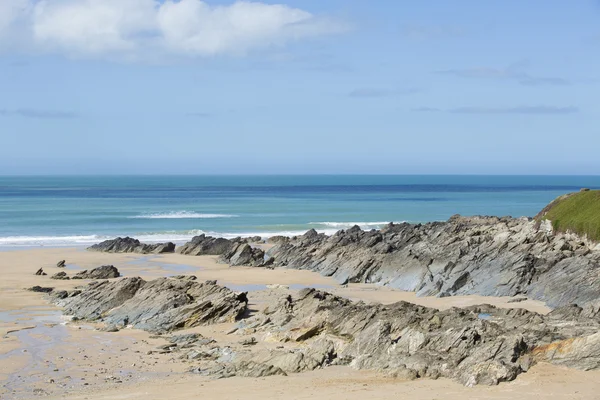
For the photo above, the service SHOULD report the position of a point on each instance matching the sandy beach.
(42, 354)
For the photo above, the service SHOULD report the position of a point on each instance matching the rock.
(103, 272)
(277, 239)
(158, 306)
(249, 342)
(40, 289)
(61, 264)
(236, 252)
(411, 341)
(517, 300)
(131, 245)
(487, 256)
(40, 272)
(111, 329)
(276, 286)
(581, 353)
(205, 246)
(243, 254)
(60, 276)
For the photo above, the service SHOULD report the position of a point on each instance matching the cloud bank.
(144, 28)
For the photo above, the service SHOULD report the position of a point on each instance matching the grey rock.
(244, 254)
(158, 306)
(205, 246)
(61, 264)
(487, 256)
(40, 289)
(60, 276)
(103, 272)
(235, 252)
(131, 245)
(40, 272)
(411, 341)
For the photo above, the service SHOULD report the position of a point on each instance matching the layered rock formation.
(475, 345)
(487, 256)
(131, 245)
(234, 252)
(314, 329)
(103, 272)
(160, 305)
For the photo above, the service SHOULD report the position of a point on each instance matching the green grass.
(575, 212)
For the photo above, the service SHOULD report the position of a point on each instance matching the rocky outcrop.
(103, 272)
(205, 246)
(159, 306)
(476, 345)
(131, 245)
(235, 252)
(244, 254)
(487, 256)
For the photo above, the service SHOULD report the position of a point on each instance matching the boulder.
(61, 264)
(103, 272)
(60, 276)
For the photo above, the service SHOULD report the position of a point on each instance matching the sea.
(57, 211)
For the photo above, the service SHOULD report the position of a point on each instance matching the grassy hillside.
(575, 212)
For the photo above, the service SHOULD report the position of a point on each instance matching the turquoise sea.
(79, 210)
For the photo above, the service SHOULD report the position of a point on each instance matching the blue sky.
(327, 86)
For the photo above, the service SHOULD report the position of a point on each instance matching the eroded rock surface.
(160, 305)
(235, 252)
(103, 272)
(475, 345)
(131, 245)
(487, 256)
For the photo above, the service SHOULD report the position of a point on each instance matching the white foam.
(347, 225)
(181, 215)
(178, 237)
(49, 240)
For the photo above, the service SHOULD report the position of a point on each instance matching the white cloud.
(137, 28)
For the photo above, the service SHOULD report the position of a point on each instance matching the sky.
(299, 87)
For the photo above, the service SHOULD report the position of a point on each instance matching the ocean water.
(80, 210)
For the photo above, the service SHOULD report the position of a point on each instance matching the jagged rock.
(61, 264)
(103, 272)
(581, 353)
(40, 272)
(158, 306)
(277, 239)
(205, 246)
(60, 276)
(243, 254)
(131, 245)
(487, 256)
(476, 345)
(235, 252)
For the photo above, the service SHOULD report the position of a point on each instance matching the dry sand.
(40, 355)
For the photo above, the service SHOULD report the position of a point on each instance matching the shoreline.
(35, 323)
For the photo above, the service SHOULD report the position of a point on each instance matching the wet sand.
(43, 355)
